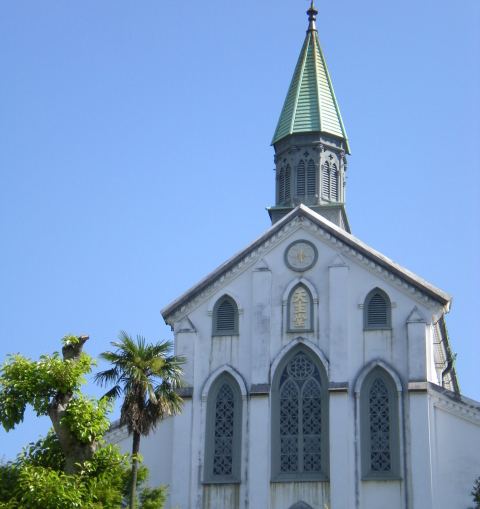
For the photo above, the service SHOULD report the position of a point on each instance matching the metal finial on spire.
(312, 12)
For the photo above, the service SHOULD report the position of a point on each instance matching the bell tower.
(310, 140)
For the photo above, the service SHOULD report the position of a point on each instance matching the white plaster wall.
(156, 449)
(457, 458)
(349, 351)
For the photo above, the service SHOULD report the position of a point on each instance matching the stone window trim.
(377, 370)
(278, 474)
(223, 325)
(375, 298)
(310, 325)
(223, 424)
(286, 308)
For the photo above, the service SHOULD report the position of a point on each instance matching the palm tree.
(147, 376)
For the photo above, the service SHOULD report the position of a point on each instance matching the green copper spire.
(310, 105)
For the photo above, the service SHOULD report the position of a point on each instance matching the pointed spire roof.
(310, 105)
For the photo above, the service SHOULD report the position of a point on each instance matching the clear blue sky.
(135, 154)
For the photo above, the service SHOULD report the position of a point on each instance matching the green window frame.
(377, 310)
(300, 444)
(225, 317)
(223, 434)
(379, 426)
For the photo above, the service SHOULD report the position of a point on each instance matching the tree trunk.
(135, 449)
(75, 451)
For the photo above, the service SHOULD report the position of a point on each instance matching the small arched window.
(301, 178)
(377, 310)
(223, 431)
(225, 317)
(300, 419)
(281, 187)
(287, 184)
(326, 180)
(379, 427)
(311, 179)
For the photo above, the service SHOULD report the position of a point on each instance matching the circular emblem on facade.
(301, 255)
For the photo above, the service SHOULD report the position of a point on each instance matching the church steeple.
(310, 139)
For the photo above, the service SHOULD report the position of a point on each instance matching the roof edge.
(430, 290)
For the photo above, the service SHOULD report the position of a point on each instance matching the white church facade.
(319, 370)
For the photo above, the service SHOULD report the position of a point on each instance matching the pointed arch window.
(225, 317)
(288, 174)
(311, 179)
(223, 431)
(301, 178)
(326, 180)
(379, 426)
(300, 419)
(377, 310)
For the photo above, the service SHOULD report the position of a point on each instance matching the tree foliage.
(36, 480)
(147, 377)
(476, 493)
(67, 468)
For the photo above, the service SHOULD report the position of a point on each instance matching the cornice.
(324, 230)
(455, 404)
(116, 433)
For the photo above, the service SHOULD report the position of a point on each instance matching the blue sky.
(135, 155)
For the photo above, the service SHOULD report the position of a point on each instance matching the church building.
(319, 371)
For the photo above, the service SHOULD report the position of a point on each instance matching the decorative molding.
(366, 370)
(269, 242)
(415, 316)
(338, 387)
(417, 386)
(186, 325)
(224, 369)
(459, 410)
(185, 392)
(260, 390)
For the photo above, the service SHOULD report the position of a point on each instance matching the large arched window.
(225, 317)
(377, 310)
(300, 418)
(223, 434)
(379, 426)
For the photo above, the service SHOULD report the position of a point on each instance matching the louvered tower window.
(334, 184)
(326, 180)
(377, 310)
(223, 433)
(225, 317)
(301, 178)
(281, 187)
(287, 185)
(311, 179)
(379, 426)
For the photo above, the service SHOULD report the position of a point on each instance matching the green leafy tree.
(35, 479)
(476, 493)
(52, 387)
(147, 376)
(67, 468)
